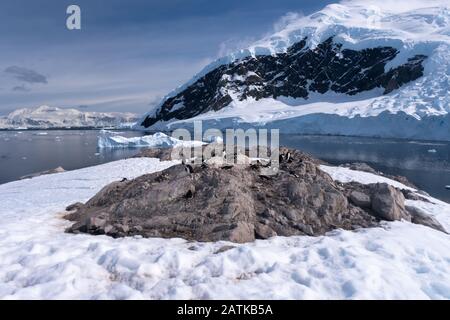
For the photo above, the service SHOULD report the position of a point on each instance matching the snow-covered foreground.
(38, 260)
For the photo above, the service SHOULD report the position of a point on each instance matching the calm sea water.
(23, 153)
(426, 164)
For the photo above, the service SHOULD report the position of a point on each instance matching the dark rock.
(412, 195)
(211, 203)
(51, 171)
(420, 217)
(241, 232)
(388, 203)
(296, 73)
(137, 229)
(263, 231)
(164, 154)
(402, 180)
(238, 204)
(223, 249)
(308, 230)
(423, 193)
(97, 222)
(360, 166)
(109, 229)
(74, 206)
(360, 199)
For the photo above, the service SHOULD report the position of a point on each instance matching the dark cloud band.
(21, 88)
(26, 75)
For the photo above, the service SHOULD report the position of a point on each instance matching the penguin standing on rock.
(188, 168)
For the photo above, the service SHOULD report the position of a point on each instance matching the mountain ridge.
(416, 40)
(294, 74)
(46, 117)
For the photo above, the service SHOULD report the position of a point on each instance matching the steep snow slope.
(38, 260)
(46, 117)
(368, 38)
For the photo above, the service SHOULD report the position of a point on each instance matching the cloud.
(21, 88)
(26, 75)
(287, 19)
(233, 45)
(398, 6)
(155, 100)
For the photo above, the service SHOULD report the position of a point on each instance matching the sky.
(128, 54)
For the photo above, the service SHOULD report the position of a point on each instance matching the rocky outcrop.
(388, 203)
(361, 166)
(239, 203)
(360, 199)
(163, 154)
(296, 73)
(420, 217)
(37, 174)
(212, 202)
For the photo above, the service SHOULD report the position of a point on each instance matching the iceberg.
(157, 140)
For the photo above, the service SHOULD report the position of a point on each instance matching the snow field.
(38, 260)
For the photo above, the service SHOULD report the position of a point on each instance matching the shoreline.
(148, 132)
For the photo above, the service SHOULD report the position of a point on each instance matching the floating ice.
(157, 140)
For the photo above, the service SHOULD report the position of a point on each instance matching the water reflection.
(430, 171)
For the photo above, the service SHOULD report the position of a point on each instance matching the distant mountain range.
(46, 117)
(349, 69)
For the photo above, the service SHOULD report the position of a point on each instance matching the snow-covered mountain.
(371, 68)
(46, 117)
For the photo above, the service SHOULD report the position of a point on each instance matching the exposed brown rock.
(238, 203)
(361, 166)
(360, 199)
(42, 173)
(388, 203)
(420, 217)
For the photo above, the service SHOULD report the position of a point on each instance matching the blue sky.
(128, 54)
